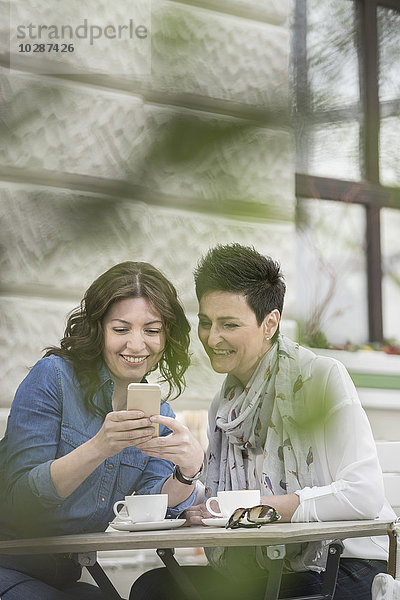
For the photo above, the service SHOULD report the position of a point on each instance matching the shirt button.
(110, 466)
(103, 499)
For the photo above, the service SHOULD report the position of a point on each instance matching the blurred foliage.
(185, 136)
(186, 139)
(182, 133)
(331, 80)
(388, 30)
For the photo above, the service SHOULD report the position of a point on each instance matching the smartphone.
(145, 397)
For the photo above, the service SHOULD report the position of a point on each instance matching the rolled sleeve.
(42, 485)
(179, 508)
(33, 437)
(156, 488)
(306, 512)
(156, 485)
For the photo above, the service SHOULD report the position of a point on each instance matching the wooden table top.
(190, 537)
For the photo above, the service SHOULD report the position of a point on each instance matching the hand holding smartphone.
(145, 397)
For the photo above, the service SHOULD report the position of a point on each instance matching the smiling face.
(134, 339)
(230, 334)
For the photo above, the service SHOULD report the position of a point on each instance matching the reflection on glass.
(389, 54)
(390, 151)
(390, 220)
(331, 272)
(332, 54)
(334, 151)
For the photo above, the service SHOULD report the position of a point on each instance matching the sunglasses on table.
(256, 516)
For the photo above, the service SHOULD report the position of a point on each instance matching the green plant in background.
(314, 339)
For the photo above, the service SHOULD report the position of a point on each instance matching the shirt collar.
(104, 373)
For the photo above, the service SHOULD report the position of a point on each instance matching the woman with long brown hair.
(71, 449)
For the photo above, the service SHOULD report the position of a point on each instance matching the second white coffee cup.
(231, 500)
(142, 509)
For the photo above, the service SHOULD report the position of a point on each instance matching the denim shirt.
(48, 419)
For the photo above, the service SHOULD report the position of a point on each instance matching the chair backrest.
(389, 458)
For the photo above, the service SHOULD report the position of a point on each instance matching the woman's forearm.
(177, 491)
(286, 505)
(121, 429)
(69, 471)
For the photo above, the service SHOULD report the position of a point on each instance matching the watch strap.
(183, 479)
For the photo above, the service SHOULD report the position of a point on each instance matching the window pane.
(389, 162)
(331, 53)
(333, 151)
(331, 270)
(390, 220)
(389, 54)
(328, 97)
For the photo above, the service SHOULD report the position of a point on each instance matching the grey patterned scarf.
(260, 441)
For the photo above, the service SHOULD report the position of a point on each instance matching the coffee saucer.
(216, 521)
(147, 525)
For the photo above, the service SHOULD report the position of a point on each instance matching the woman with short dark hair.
(285, 422)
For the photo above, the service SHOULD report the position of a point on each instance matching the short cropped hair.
(242, 270)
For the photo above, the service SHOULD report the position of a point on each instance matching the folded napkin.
(384, 587)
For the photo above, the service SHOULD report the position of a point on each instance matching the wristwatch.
(183, 479)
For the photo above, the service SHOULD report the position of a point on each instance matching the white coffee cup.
(231, 500)
(142, 509)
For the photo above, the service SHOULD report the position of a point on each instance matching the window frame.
(368, 192)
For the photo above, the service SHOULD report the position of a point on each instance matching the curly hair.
(83, 341)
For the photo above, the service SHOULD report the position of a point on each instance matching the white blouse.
(347, 468)
(350, 483)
